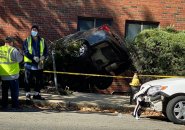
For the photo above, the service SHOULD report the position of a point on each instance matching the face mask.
(34, 33)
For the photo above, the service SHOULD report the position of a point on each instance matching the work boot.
(38, 97)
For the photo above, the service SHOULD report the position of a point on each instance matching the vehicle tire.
(80, 49)
(175, 110)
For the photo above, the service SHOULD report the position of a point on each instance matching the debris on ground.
(92, 109)
(60, 91)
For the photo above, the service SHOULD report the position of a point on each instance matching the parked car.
(166, 96)
(96, 51)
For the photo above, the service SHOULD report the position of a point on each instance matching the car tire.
(82, 50)
(175, 110)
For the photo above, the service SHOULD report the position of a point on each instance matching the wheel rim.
(79, 52)
(82, 50)
(179, 110)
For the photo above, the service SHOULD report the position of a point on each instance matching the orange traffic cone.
(135, 81)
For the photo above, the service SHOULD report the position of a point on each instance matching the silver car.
(163, 95)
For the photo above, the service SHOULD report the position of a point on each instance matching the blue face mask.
(34, 33)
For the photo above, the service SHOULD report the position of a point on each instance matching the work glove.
(36, 59)
(42, 58)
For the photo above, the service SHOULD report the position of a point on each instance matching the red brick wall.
(118, 86)
(57, 18)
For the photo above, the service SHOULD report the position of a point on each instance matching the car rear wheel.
(175, 110)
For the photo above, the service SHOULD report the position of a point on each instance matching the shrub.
(159, 51)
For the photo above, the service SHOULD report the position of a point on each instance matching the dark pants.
(14, 88)
(133, 91)
(35, 78)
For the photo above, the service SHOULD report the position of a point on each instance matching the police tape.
(84, 74)
(161, 76)
(110, 76)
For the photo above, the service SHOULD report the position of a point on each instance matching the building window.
(135, 27)
(86, 23)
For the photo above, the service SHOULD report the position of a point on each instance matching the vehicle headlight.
(155, 90)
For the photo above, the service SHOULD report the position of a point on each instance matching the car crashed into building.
(95, 51)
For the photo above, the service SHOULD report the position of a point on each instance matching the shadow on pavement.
(157, 118)
(24, 107)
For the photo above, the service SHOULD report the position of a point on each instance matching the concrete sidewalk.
(83, 101)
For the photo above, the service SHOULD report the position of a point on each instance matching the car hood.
(174, 86)
(164, 81)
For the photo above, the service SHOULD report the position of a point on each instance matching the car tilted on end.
(166, 96)
(95, 51)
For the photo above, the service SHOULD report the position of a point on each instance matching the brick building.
(61, 17)
(58, 18)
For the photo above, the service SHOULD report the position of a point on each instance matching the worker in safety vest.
(134, 85)
(35, 52)
(10, 58)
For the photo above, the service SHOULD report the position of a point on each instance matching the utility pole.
(54, 69)
(54, 64)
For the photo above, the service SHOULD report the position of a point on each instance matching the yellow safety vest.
(7, 66)
(29, 41)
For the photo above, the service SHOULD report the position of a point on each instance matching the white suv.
(164, 95)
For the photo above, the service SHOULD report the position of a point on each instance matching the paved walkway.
(80, 100)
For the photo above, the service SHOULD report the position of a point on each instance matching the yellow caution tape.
(108, 76)
(161, 76)
(83, 74)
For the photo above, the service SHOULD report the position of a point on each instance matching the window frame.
(94, 20)
(141, 23)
